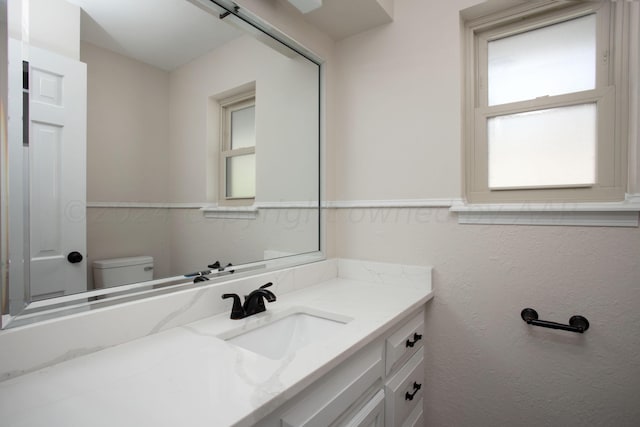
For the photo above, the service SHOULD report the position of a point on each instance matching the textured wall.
(484, 365)
(397, 136)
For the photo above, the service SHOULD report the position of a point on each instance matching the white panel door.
(57, 163)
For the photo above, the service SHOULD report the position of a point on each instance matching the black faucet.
(253, 303)
(217, 266)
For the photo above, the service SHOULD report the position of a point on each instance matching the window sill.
(230, 212)
(620, 214)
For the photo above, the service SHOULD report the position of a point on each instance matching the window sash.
(611, 153)
(227, 107)
(605, 176)
(603, 65)
(526, 150)
(231, 183)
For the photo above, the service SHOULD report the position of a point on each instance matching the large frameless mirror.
(150, 144)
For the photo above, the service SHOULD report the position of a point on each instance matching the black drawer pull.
(416, 337)
(410, 396)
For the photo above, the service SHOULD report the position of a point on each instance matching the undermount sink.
(285, 335)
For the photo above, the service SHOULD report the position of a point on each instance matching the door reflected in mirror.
(160, 140)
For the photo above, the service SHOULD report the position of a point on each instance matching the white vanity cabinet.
(371, 414)
(330, 399)
(350, 395)
(404, 342)
(381, 385)
(405, 374)
(404, 391)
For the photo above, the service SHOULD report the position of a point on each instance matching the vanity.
(378, 386)
(349, 349)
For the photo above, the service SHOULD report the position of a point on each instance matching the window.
(545, 104)
(238, 149)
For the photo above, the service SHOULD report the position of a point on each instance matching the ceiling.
(163, 33)
(169, 33)
(343, 18)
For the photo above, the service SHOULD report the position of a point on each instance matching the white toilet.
(122, 271)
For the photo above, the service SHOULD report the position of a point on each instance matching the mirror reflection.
(161, 138)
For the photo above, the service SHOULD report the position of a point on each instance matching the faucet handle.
(237, 312)
(270, 296)
(266, 285)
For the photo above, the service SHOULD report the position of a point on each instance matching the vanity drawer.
(404, 391)
(404, 342)
(370, 415)
(416, 419)
(337, 391)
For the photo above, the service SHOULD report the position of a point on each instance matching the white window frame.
(610, 94)
(227, 107)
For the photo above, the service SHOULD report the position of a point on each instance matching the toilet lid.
(122, 262)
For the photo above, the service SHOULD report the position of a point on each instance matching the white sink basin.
(285, 335)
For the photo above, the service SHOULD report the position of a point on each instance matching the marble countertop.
(187, 375)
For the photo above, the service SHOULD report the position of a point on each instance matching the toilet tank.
(122, 271)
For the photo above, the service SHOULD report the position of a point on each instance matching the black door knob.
(74, 257)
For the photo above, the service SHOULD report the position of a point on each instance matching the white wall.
(124, 232)
(127, 157)
(484, 366)
(286, 154)
(182, 240)
(197, 241)
(398, 136)
(127, 128)
(286, 121)
(634, 86)
(150, 139)
(54, 25)
(398, 114)
(286, 18)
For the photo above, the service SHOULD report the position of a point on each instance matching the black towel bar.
(577, 324)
